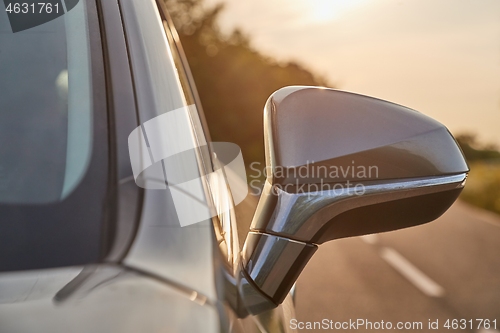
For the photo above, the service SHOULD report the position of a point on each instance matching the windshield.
(53, 142)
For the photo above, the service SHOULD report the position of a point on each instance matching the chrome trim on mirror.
(293, 213)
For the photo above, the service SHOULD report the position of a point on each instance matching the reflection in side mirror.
(341, 165)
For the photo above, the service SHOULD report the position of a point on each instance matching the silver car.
(90, 242)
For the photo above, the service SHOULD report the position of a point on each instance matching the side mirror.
(339, 165)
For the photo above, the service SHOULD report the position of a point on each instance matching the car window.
(46, 111)
(53, 142)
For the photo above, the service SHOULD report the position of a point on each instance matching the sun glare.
(320, 11)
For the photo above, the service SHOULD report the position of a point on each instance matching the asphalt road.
(447, 269)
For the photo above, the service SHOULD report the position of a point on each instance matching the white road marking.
(412, 273)
(370, 239)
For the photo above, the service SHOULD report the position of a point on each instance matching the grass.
(483, 186)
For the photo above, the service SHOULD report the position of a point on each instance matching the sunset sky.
(440, 57)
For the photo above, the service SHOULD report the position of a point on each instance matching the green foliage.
(473, 151)
(233, 79)
(483, 186)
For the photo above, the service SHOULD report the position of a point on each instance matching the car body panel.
(115, 300)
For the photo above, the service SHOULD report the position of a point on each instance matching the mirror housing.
(338, 165)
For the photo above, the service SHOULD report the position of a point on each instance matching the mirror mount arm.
(274, 263)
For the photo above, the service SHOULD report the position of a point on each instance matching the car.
(117, 211)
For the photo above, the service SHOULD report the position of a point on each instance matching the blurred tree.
(474, 151)
(233, 79)
(483, 183)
